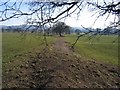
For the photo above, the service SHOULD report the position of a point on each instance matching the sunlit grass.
(100, 48)
(16, 44)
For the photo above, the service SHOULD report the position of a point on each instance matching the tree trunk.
(60, 34)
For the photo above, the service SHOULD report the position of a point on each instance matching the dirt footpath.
(57, 68)
(61, 45)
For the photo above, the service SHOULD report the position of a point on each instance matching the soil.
(58, 67)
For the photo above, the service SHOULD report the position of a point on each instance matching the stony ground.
(57, 66)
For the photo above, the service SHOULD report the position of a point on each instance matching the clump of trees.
(60, 28)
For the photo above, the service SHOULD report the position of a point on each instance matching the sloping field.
(54, 66)
(103, 48)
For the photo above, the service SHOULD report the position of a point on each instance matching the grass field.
(27, 64)
(16, 44)
(98, 48)
(102, 49)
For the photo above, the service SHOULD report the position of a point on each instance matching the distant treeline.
(68, 30)
(105, 31)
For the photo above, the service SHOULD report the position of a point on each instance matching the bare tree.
(106, 8)
(60, 27)
(48, 13)
(50, 7)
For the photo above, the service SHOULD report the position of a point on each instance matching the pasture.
(100, 48)
(16, 44)
(103, 48)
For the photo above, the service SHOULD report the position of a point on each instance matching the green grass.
(16, 44)
(98, 48)
(102, 49)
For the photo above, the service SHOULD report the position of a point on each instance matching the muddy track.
(61, 45)
(56, 67)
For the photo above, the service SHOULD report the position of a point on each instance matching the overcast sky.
(85, 19)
